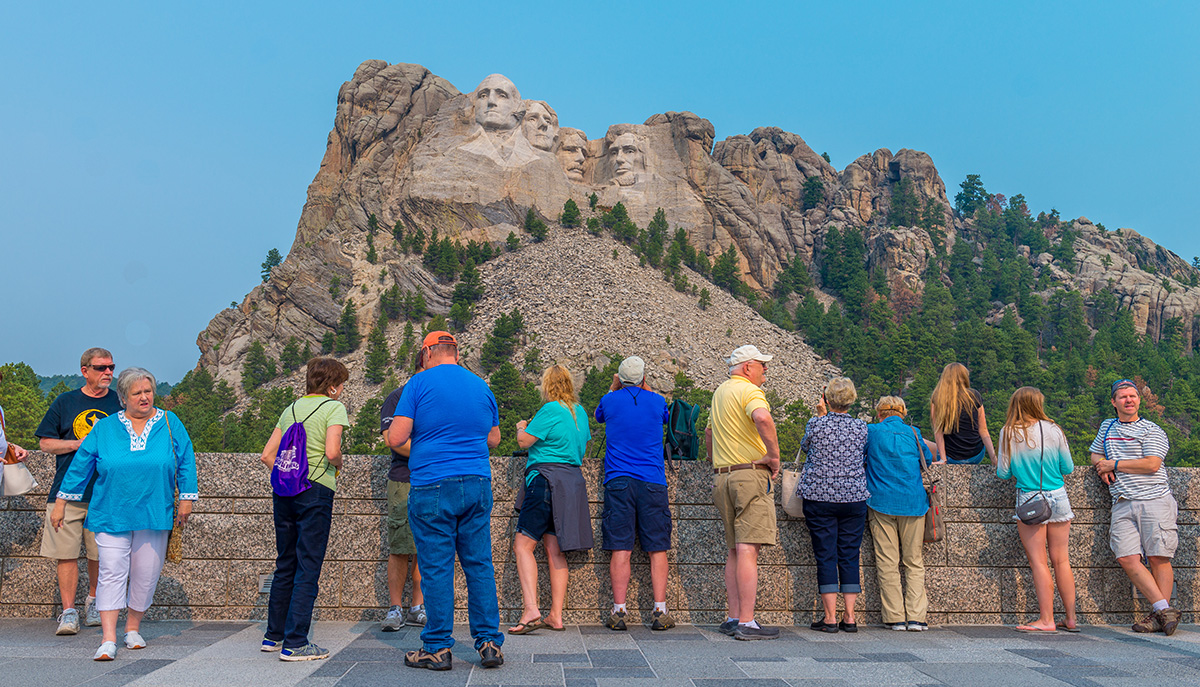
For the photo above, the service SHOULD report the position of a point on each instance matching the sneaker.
(270, 645)
(914, 626)
(394, 620)
(91, 616)
(490, 655)
(1150, 623)
(416, 618)
(133, 640)
(728, 627)
(308, 652)
(747, 632)
(106, 652)
(68, 624)
(616, 621)
(421, 658)
(662, 621)
(899, 627)
(1169, 617)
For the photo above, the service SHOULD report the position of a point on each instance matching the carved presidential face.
(572, 153)
(540, 124)
(497, 103)
(627, 158)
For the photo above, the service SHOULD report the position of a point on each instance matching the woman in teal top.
(139, 456)
(1034, 451)
(557, 436)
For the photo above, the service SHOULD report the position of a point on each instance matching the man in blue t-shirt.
(452, 418)
(635, 487)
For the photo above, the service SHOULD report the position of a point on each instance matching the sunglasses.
(103, 368)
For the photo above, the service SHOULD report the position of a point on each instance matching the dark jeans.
(451, 516)
(837, 531)
(301, 535)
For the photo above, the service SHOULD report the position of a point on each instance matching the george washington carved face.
(540, 124)
(497, 103)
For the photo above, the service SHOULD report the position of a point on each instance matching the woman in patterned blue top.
(834, 488)
(139, 456)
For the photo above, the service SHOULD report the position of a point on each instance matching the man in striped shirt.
(1128, 454)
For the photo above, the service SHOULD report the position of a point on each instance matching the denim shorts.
(1060, 505)
(634, 507)
(537, 510)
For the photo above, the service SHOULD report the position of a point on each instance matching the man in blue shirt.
(635, 487)
(452, 418)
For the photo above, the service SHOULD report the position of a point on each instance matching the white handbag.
(793, 505)
(17, 479)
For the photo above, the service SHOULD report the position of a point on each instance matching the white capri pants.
(130, 560)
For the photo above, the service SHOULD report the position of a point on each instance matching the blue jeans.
(301, 535)
(837, 531)
(968, 461)
(451, 516)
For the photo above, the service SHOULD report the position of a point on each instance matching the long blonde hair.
(557, 385)
(951, 397)
(1026, 407)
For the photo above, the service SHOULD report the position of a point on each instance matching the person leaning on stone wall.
(66, 424)
(741, 439)
(1129, 454)
(896, 513)
(401, 548)
(554, 509)
(635, 488)
(1034, 451)
(19, 454)
(834, 488)
(302, 521)
(136, 459)
(959, 424)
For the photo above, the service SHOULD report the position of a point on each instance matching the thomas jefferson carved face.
(627, 155)
(540, 124)
(572, 152)
(497, 103)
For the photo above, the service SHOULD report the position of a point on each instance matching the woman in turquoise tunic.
(139, 456)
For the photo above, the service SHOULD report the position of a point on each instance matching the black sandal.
(822, 626)
(847, 627)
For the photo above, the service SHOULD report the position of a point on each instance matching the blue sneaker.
(308, 652)
(269, 645)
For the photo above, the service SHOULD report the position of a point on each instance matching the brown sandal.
(528, 626)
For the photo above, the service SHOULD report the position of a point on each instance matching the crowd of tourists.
(441, 426)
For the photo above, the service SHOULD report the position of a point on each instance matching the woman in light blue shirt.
(139, 456)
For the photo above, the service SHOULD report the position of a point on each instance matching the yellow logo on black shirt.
(84, 422)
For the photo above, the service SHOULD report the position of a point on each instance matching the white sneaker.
(68, 622)
(106, 652)
(133, 640)
(394, 620)
(91, 616)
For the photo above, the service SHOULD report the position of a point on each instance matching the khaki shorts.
(63, 544)
(1144, 527)
(747, 508)
(400, 539)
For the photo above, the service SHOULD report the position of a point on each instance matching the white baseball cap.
(744, 354)
(632, 370)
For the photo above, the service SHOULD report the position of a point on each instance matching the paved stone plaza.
(182, 653)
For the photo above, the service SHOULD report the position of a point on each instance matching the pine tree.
(377, 354)
(535, 227)
(512, 242)
(593, 199)
(372, 224)
(905, 210)
(470, 284)
(460, 315)
(328, 343)
(724, 270)
(274, 259)
(290, 358)
(813, 194)
(570, 214)
(972, 197)
(398, 235)
(705, 299)
(372, 256)
(347, 330)
(258, 368)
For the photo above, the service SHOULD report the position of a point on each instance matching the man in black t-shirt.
(66, 424)
(401, 547)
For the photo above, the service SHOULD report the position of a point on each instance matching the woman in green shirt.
(556, 438)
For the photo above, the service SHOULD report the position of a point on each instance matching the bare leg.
(108, 625)
(1058, 535)
(557, 562)
(829, 603)
(418, 597)
(618, 572)
(850, 598)
(68, 580)
(527, 572)
(747, 581)
(731, 583)
(397, 572)
(1141, 577)
(133, 620)
(1033, 538)
(1164, 575)
(93, 568)
(658, 575)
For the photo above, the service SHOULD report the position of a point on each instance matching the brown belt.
(740, 466)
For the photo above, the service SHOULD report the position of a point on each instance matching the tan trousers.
(898, 540)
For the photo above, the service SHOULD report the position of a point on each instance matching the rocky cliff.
(411, 150)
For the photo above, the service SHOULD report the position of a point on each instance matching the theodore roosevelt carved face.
(572, 152)
(497, 103)
(540, 124)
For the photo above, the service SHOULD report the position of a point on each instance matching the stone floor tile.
(377, 674)
(993, 675)
(52, 672)
(561, 658)
(333, 667)
(1053, 657)
(570, 672)
(617, 658)
(716, 682)
(141, 666)
(890, 657)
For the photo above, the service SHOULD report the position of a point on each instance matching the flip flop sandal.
(1064, 628)
(1036, 631)
(556, 629)
(527, 627)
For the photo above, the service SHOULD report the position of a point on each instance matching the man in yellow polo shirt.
(741, 440)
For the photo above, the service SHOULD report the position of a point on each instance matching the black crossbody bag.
(1036, 508)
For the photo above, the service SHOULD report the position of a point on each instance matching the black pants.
(837, 531)
(301, 535)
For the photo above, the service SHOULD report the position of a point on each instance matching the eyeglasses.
(764, 365)
(103, 368)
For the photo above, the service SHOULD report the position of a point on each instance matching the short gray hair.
(130, 376)
(840, 394)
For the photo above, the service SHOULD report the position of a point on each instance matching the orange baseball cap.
(438, 338)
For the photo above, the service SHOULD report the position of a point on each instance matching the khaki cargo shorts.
(1144, 527)
(746, 506)
(400, 538)
(63, 544)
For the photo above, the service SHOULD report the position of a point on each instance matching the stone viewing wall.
(977, 575)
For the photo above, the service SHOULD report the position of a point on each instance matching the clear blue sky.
(157, 151)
